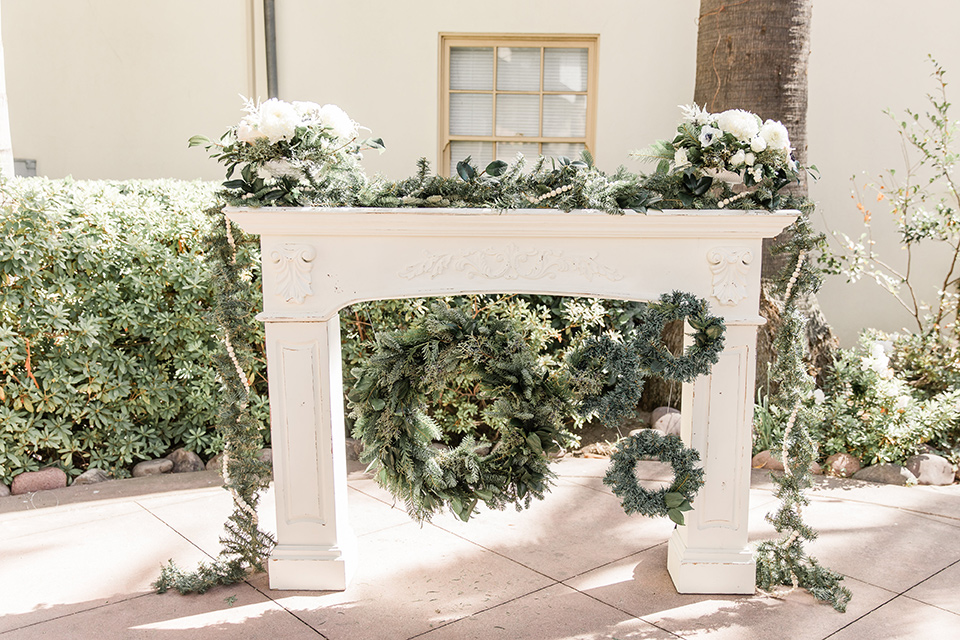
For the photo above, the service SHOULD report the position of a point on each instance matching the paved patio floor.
(77, 563)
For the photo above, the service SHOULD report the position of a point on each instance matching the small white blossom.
(819, 397)
(757, 173)
(775, 136)
(742, 124)
(738, 158)
(694, 114)
(709, 135)
(680, 158)
(278, 120)
(902, 402)
(749, 159)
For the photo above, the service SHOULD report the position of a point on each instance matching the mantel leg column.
(710, 554)
(315, 547)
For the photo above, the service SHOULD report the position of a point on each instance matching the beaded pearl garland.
(548, 194)
(740, 196)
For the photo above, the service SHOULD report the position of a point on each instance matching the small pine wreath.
(669, 501)
(526, 410)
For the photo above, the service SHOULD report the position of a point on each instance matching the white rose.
(758, 144)
(738, 158)
(742, 124)
(247, 130)
(680, 158)
(775, 136)
(340, 124)
(749, 159)
(709, 135)
(278, 120)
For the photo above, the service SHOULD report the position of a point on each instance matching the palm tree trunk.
(753, 55)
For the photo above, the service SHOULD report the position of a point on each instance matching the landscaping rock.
(765, 460)
(43, 480)
(152, 467)
(4, 490)
(668, 424)
(931, 469)
(213, 464)
(842, 465)
(659, 412)
(886, 473)
(91, 476)
(185, 461)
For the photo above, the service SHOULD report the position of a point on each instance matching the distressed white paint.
(368, 254)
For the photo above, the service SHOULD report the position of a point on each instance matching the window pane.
(471, 114)
(518, 115)
(557, 149)
(507, 151)
(471, 68)
(564, 116)
(518, 69)
(565, 70)
(481, 154)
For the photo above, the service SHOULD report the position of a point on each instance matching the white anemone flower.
(709, 135)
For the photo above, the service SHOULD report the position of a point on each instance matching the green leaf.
(534, 441)
(465, 170)
(496, 168)
(676, 516)
(673, 500)
(378, 404)
(198, 141)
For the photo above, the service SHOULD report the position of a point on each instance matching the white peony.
(680, 158)
(278, 120)
(709, 135)
(742, 124)
(758, 144)
(776, 136)
(247, 130)
(340, 124)
(738, 158)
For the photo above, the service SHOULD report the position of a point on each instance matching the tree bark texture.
(753, 55)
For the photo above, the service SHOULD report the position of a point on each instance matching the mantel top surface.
(467, 222)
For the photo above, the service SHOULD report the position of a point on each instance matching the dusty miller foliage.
(784, 561)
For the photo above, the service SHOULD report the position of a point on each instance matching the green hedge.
(105, 334)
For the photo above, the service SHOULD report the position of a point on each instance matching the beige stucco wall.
(113, 89)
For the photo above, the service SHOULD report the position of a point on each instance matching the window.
(508, 94)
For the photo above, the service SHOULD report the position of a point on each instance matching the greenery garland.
(669, 501)
(527, 411)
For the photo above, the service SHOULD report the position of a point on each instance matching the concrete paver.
(79, 564)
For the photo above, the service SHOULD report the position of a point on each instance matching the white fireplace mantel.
(317, 261)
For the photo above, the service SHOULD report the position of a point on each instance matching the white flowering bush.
(736, 147)
(290, 153)
(873, 411)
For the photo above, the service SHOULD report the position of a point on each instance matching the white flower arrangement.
(281, 147)
(731, 142)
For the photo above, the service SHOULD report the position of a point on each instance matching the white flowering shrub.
(871, 409)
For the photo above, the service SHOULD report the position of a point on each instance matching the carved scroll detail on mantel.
(730, 266)
(511, 263)
(293, 263)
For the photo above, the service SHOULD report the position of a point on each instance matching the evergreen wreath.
(699, 356)
(669, 501)
(526, 412)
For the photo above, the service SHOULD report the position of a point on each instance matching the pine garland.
(784, 562)
(245, 546)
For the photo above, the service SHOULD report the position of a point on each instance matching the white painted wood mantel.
(316, 261)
